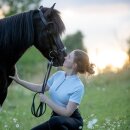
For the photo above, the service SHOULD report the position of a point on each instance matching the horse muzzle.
(58, 57)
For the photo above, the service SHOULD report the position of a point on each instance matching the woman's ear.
(75, 66)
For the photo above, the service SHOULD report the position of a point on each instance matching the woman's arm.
(70, 108)
(31, 86)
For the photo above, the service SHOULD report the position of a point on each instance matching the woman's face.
(69, 60)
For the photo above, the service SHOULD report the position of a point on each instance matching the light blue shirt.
(63, 89)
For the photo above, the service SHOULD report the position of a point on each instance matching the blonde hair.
(82, 60)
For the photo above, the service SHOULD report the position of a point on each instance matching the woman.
(66, 91)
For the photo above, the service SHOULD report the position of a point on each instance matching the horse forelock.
(55, 17)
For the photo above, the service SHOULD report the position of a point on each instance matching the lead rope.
(40, 111)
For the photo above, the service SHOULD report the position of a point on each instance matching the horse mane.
(16, 35)
(55, 17)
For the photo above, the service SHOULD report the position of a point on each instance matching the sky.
(105, 25)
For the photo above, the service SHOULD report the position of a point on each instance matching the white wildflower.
(92, 123)
(92, 115)
(17, 125)
(5, 126)
(107, 120)
(15, 120)
(118, 125)
(84, 120)
(80, 127)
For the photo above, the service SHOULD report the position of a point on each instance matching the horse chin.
(58, 63)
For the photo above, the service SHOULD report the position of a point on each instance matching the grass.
(105, 105)
(107, 100)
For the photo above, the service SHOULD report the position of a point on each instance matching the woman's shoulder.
(78, 79)
(79, 84)
(59, 73)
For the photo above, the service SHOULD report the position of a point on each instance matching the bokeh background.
(102, 29)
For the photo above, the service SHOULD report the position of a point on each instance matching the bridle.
(40, 110)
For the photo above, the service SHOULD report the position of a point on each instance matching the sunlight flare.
(1, 14)
(113, 58)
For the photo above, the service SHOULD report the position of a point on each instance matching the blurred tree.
(74, 41)
(128, 41)
(17, 6)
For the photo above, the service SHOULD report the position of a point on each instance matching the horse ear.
(48, 12)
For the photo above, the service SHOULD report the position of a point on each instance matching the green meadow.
(105, 105)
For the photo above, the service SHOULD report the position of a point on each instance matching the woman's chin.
(64, 64)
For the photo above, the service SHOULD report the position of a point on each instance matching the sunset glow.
(109, 58)
(1, 14)
(105, 30)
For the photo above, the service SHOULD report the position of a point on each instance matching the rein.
(40, 110)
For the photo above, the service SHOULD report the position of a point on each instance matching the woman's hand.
(15, 77)
(43, 97)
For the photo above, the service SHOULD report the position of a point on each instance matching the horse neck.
(19, 34)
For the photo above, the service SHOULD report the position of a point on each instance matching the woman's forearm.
(31, 86)
(64, 111)
(58, 109)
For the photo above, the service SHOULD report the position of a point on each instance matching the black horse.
(41, 28)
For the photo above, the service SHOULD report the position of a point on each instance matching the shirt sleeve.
(77, 95)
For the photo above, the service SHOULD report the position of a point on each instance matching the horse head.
(48, 27)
